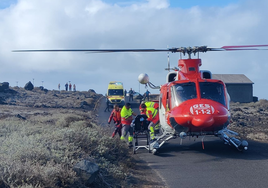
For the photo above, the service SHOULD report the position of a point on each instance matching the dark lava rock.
(29, 86)
(4, 86)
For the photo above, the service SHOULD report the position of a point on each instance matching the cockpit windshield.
(183, 92)
(213, 91)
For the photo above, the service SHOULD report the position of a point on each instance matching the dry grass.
(41, 151)
(40, 146)
(43, 134)
(251, 120)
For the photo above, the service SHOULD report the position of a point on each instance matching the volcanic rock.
(29, 86)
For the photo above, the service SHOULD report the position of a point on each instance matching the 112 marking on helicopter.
(191, 103)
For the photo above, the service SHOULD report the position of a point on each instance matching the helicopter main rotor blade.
(244, 46)
(96, 50)
(184, 50)
(173, 50)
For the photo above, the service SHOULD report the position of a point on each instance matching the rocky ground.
(44, 108)
(249, 119)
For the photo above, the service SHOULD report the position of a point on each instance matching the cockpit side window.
(213, 91)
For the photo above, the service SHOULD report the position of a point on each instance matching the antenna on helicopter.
(168, 69)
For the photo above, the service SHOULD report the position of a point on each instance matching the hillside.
(250, 120)
(43, 134)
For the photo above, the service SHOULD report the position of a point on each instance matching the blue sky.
(182, 3)
(173, 3)
(201, 3)
(6, 3)
(49, 24)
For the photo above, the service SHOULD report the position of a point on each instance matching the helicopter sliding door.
(164, 105)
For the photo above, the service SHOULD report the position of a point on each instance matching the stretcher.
(141, 136)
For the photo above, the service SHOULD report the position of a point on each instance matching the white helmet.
(179, 88)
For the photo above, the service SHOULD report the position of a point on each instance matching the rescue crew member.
(116, 116)
(143, 109)
(153, 117)
(126, 119)
(148, 105)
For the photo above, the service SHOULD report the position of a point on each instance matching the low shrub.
(42, 150)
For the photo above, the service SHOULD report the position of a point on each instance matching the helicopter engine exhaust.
(240, 145)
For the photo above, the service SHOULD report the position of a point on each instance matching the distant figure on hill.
(66, 86)
(70, 87)
(131, 92)
(74, 87)
(146, 95)
(59, 86)
(107, 103)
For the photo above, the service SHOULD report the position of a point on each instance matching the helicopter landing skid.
(164, 137)
(240, 145)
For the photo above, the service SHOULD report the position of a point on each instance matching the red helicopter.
(191, 103)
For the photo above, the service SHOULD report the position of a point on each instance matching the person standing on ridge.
(107, 104)
(146, 95)
(66, 86)
(131, 92)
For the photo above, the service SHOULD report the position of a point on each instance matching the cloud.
(94, 24)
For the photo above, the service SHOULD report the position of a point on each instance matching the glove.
(132, 124)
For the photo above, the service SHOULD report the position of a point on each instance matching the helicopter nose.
(203, 121)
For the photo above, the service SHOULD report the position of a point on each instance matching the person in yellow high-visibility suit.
(126, 119)
(153, 117)
(155, 106)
